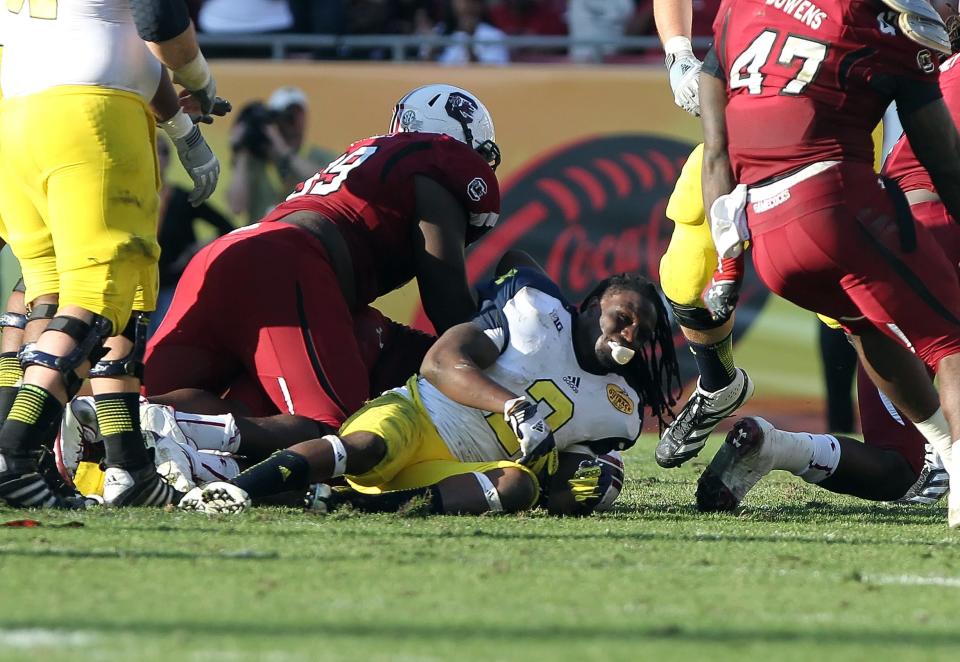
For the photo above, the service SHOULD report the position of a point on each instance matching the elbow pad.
(160, 20)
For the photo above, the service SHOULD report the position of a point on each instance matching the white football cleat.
(687, 434)
(218, 498)
(747, 455)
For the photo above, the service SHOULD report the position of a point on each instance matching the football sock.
(391, 502)
(118, 415)
(281, 472)
(813, 457)
(715, 363)
(10, 375)
(34, 411)
(936, 430)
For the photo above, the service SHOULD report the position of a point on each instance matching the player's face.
(627, 319)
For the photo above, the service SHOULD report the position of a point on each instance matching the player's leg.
(371, 448)
(883, 286)
(103, 223)
(448, 487)
(13, 322)
(685, 270)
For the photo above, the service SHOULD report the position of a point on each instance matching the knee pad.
(13, 320)
(694, 317)
(130, 365)
(42, 311)
(89, 339)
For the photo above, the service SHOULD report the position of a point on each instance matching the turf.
(797, 575)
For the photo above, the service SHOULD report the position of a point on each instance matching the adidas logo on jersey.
(573, 383)
(556, 320)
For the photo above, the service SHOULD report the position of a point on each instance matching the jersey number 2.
(38, 8)
(330, 178)
(745, 71)
(541, 390)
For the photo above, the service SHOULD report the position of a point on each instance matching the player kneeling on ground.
(498, 401)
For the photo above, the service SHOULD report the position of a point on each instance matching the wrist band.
(177, 126)
(676, 45)
(195, 74)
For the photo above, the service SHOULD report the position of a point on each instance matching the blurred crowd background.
(488, 21)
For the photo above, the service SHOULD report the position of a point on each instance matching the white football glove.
(200, 163)
(684, 69)
(535, 436)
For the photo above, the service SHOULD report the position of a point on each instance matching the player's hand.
(200, 163)
(684, 69)
(192, 107)
(589, 483)
(721, 298)
(721, 295)
(535, 436)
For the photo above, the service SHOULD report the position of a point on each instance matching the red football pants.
(833, 244)
(263, 302)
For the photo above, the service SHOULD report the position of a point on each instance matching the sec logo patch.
(476, 189)
(619, 399)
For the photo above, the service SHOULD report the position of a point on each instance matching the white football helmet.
(451, 111)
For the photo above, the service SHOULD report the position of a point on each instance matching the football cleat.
(217, 498)
(687, 434)
(320, 499)
(746, 456)
(932, 483)
(143, 487)
(78, 438)
(22, 486)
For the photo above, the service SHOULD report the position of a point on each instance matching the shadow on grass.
(67, 552)
(490, 634)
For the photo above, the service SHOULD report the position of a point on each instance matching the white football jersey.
(533, 327)
(48, 43)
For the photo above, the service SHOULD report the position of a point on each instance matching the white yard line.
(45, 638)
(912, 580)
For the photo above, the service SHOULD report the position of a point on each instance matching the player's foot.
(22, 486)
(687, 435)
(217, 498)
(141, 487)
(747, 455)
(79, 439)
(932, 484)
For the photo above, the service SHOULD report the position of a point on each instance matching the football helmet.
(451, 111)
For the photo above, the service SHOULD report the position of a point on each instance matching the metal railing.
(406, 47)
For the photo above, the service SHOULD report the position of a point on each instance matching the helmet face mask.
(451, 111)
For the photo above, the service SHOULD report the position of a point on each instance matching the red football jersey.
(368, 192)
(902, 164)
(808, 80)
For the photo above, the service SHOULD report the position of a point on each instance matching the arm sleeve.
(899, 68)
(711, 65)
(495, 296)
(160, 20)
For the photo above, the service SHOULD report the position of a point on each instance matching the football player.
(807, 192)
(496, 399)
(81, 214)
(895, 458)
(273, 305)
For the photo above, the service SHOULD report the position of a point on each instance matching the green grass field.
(798, 575)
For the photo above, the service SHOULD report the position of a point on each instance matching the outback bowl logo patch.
(619, 399)
(477, 189)
(925, 61)
(592, 208)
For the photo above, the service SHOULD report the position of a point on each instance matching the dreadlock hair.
(655, 372)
